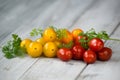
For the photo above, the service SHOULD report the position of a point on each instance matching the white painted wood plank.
(53, 69)
(15, 14)
(68, 13)
(12, 69)
(108, 70)
(104, 15)
(8, 66)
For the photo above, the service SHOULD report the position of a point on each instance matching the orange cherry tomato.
(76, 32)
(67, 38)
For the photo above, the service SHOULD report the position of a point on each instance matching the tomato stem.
(114, 39)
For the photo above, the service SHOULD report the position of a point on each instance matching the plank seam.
(28, 69)
(81, 72)
(115, 28)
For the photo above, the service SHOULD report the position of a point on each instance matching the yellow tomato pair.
(49, 48)
(48, 40)
(33, 48)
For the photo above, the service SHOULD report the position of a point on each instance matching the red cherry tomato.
(105, 54)
(64, 54)
(77, 40)
(89, 56)
(96, 44)
(77, 52)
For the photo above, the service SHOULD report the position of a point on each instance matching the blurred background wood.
(21, 16)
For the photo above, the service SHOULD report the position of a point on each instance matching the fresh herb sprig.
(36, 32)
(12, 48)
(68, 45)
(61, 32)
(90, 34)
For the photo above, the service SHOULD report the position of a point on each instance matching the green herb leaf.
(12, 48)
(103, 35)
(90, 34)
(61, 33)
(69, 45)
(36, 32)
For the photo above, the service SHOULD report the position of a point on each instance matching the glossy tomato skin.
(77, 52)
(96, 44)
(104, 54)
(68, 38)
(64, 54)
(77, 40)
(76, 32)
(89, 57)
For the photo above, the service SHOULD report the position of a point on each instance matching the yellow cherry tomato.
(49, 35)
(25, 43)
(50, 49)
(41, 40)
(35, 49)
(76, 32)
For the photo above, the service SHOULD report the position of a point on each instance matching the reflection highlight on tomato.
(78, 52)
(64, 54)
(67, 38)
(96, 44)
(89, 56)
(104, 54)
(50, 49)
(76, 32)
(35, 49)
(49, 35)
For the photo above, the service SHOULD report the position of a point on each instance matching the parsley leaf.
(36, 32)
(12, 48)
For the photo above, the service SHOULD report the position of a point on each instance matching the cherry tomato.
(68, 38)
(105, 54)
(77, 52)
(96, 44)
(76, 32)
(89, 56)
(35, 49)
(77, 40)
(50, 49)
(49, 35)
(64, 54)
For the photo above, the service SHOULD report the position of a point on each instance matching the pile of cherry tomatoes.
(67, 45)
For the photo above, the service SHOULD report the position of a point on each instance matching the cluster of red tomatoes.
(96, 50)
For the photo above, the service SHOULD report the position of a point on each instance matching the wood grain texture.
(15, 13)
(53, 69)
(104, 15)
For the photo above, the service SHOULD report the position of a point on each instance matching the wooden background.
(21, 16)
